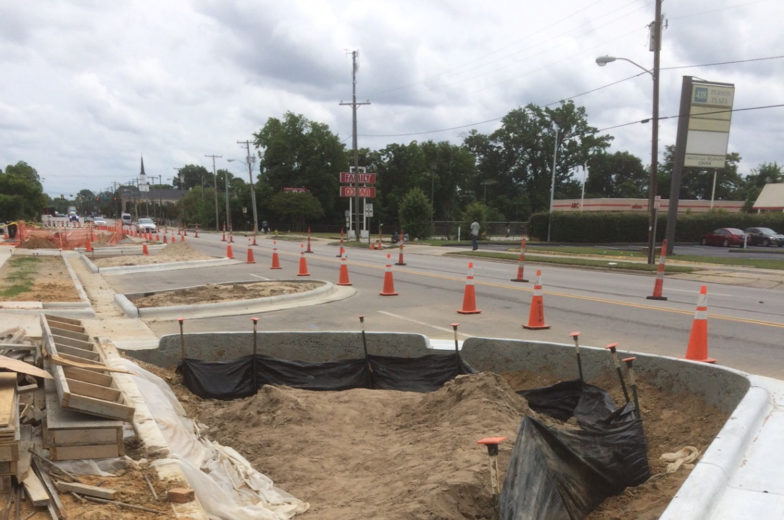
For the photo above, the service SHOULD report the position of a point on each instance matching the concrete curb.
(326, 293)
(90, 265)
(129, 269)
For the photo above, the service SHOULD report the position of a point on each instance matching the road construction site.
(717, 418)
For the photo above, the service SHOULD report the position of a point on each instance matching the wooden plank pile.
(84, 406)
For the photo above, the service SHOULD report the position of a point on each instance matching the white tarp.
(224, 481)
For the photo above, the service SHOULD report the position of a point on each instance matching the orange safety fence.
(35, 237)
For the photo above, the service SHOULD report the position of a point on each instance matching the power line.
(606, 85)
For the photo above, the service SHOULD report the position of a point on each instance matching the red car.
(724, 237)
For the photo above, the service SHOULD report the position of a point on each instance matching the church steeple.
(143, 186)
(141, 174)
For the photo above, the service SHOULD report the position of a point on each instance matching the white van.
(126, 219)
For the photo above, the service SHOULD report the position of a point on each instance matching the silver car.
(146, 225)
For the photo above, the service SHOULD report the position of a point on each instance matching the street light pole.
(656, 48)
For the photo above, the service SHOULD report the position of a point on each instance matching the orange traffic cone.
(182, 238)
(536, 314)
(165, 240)
(303, 264)
(157, 237)
(698, 339)
(250, 260)
(308, 249)
(231, 235)
(275, 257)
(145, 251)
(657, 286)
(400, 256)
(229, 253)
(469, 296)
(89, 246)
(389, 281)
(342, 249)
(521, 264)
(343, 278)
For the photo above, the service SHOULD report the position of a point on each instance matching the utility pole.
(252, 189)
(655, 46)
(354, 105)
(215, 186)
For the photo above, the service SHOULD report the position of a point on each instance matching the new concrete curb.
(168, 266)
(325, 293)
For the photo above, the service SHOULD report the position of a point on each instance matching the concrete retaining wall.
(721, 387)
(299, 346)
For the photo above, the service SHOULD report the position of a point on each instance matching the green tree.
(295, 209)
(697, 183)
(514, 163)
(296, 152)
(767, 173)
(415, 214)
(475, 211)
(21, 193)
(619, 175)
(192, 176)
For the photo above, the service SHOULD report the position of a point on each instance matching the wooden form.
(9, 424)
(73, 435)
(88, 390)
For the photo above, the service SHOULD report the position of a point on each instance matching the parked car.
(88, 219)
(99, 221)
(146, 225)
(126, 219)
(724, 237)
(764, 236)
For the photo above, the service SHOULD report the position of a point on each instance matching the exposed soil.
(37, 279)
(174, 252)
(212, 293)
(361, 454)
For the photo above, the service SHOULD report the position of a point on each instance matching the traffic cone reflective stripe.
(303, 264)
(275, 258)
(400, 256)
(521, 264)
(659, 283)
(469, 295)
(229, 253)
(536, 312)
(343, 278)
(697, 349)
(308, 250)
(389, 281)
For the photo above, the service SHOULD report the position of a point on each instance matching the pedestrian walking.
(475, 235)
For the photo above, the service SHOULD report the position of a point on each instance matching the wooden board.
(15, 365)
(35, 490)
(78, 352)
(88, 376)
(62, 319)
(70, 334)
(62, 340)
(97, 451)
(7, 397)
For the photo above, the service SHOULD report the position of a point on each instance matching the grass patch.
(580, 262)
(761, 263)
(21, 275)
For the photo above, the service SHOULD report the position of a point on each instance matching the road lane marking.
(424, 324)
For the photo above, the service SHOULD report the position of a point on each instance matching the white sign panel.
(708, 134)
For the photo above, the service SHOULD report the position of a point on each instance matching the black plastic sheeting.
(559, 473)
(243, 376)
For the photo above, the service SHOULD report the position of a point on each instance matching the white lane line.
(260, 277)
(424, 324)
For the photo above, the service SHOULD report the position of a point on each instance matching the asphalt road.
(746, 325)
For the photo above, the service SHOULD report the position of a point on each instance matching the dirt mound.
(397, 454)
(174, 252)
(212, 293)
(38, 243)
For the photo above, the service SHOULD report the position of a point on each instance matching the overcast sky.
(88, 87)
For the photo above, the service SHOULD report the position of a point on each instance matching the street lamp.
(604, 60)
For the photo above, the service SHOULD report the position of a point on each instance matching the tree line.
(501, 176)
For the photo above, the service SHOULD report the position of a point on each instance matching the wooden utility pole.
(252, 190)
(215, 186)
(356, 211)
